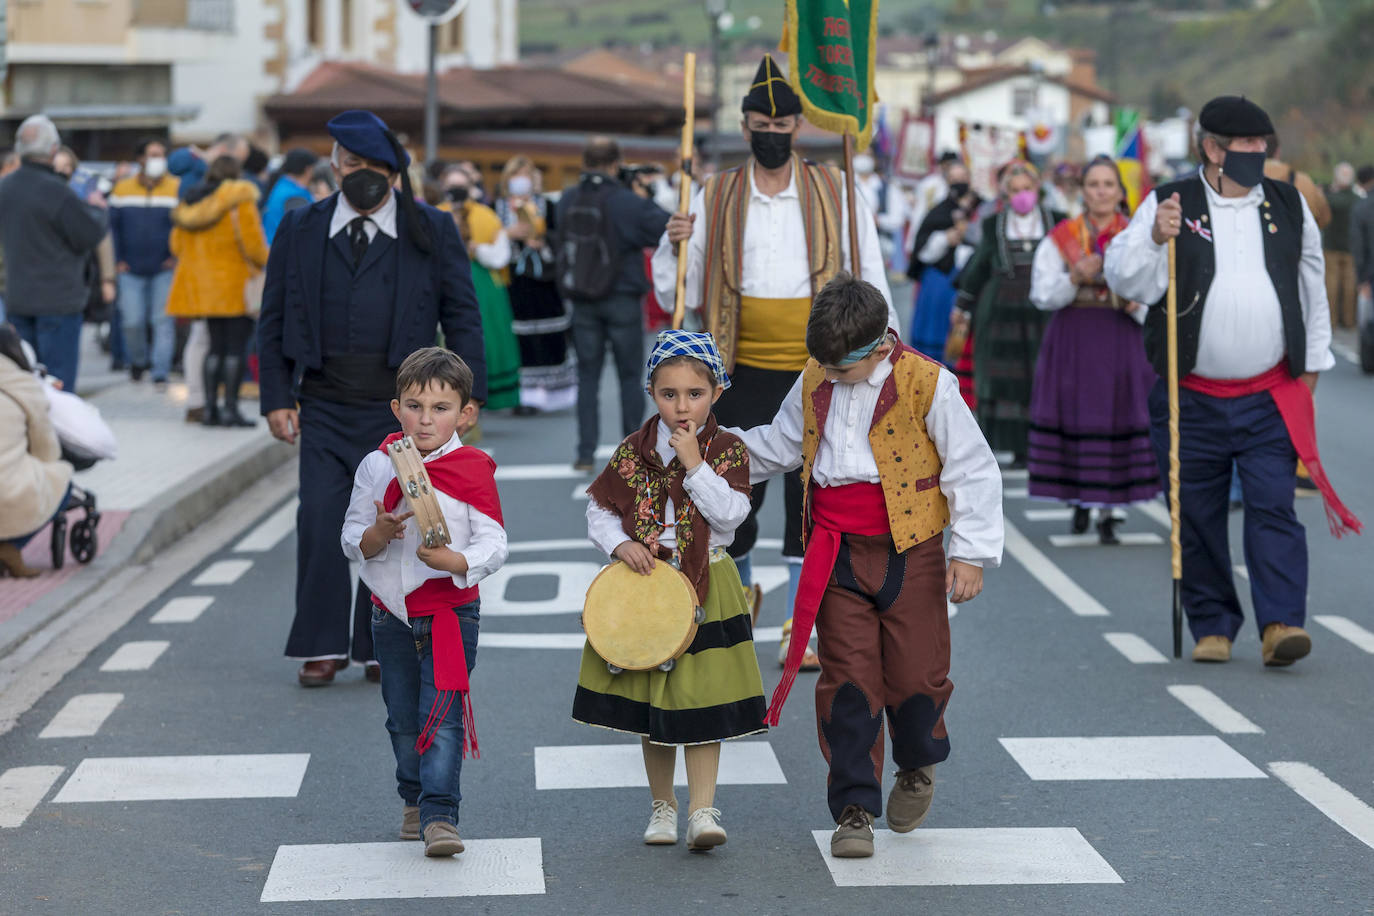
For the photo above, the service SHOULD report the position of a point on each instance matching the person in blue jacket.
(289, 190)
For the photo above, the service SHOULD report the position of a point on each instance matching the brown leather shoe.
(13, 562)
(195, 415)
(1282, 645)
(373, 672)
(320, 673)
(1212, 649)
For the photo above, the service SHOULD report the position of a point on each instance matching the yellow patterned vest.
(908, 463)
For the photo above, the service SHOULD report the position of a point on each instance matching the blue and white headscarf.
(696, 344)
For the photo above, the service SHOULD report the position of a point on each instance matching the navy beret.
(364, 134)
(1234, 116)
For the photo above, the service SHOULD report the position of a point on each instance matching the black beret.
(1235, 116)
(770, 94)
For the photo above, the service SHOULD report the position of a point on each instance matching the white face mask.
(155, 166)
(520, 185)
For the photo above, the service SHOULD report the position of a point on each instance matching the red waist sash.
(1294, 400)
(856, 508)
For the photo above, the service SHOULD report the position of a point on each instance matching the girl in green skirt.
(677, 489)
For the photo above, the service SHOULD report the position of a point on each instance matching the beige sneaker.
(1212, 649)
(662, 829)
(441, 839)
(853, 836)
(1282, 645)
(410, 822)
(909, 801)
(704, 830)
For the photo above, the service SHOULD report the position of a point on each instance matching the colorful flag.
(1130, 156)
(831, 46)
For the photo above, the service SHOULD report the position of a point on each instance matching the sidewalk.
(168, 477)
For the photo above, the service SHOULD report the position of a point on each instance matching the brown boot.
(441, 839)
(13, 562)
(1282, 645)
(909, 802)
(1212, 649)
(410, 822)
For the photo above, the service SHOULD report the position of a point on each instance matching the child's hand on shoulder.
(390, 525)
(636, 556)
(684, 442)
(443, 559)
(963, 581)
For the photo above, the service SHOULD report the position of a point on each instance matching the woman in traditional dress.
(490, 254)
(994, 296)
(940, 250)
(548, 373)
(1090, 422)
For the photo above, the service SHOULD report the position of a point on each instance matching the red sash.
(1294, 400)
(467, 475)
(856, 508)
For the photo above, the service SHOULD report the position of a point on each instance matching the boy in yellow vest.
(890, 456)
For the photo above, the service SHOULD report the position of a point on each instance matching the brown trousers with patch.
(883, 640)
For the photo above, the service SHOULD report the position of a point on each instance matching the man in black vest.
(1253, 332)
(355, 283)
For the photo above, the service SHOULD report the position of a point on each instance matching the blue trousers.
(57, 341)
(1214, 432)
(617, 322)
(334, 439)
(429, 780)
(143, 305)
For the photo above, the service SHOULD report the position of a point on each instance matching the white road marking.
(579, 493)
(1157, 511)
(1015, 493)
(136, 656)
(21, 789)
(1015, 474)
(1348, 630)
(570, 593)
(513, 472)
(82, 716)
(1215, 711)
(1345, 352)
(182, 610)
(1051, 576)
(1090, 539)
(1348, 811)
(386, 871)
(102, 779)
(1048, 515)
(551, 545)
(1242, 571)
(604, 452)
(223, 572)
(768, 544)
(762, 635)
(1154, 757)
(271, 530)
(1136, 649)
(935, 857)
(621, 766)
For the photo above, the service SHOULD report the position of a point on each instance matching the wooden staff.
(1175, 525)
(684, 193)
(849, 194)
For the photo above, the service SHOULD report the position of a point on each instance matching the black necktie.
(357, 239)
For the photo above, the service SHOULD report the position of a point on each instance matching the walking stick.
(1175, 525)
(853, 211)
(684, 198)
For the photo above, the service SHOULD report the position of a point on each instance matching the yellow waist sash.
(772, 333)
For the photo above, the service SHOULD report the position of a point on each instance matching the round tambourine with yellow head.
(637, 622)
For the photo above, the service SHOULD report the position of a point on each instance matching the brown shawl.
(637, 486)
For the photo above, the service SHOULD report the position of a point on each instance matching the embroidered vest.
(726, 206)
(908, 462)
(1280, 219)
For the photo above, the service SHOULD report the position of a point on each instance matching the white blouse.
(1051, 288)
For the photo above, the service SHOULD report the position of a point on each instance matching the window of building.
(346, 24)
(314, 23)
(451, 36)
(1023, 99)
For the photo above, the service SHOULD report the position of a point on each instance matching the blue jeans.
(617, 322)
(143, 304)
(429, 780)
(57, 341)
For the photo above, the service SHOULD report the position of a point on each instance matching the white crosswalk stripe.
(104, 779)
(1215, 711)
(223, 572)
(1348, 630)
(1156, 757)
(270, 532)
(616, 766)
(82, 715)
(21, 789)
(136, 656)
(1341, 806)
(182, 610)
(1136, 649)
(1090, 539)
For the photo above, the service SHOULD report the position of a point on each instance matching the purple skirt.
(1089, 417)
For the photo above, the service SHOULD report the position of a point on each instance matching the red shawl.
(1075, 239)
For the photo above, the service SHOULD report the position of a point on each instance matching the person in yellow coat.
(219, 245)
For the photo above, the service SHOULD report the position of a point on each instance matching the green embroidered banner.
(831, 46)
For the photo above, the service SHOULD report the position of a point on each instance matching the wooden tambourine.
(419, 492)
(638, 622)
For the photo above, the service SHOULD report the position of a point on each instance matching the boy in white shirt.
(425, 621)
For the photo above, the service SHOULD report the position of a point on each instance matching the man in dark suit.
(355, 283)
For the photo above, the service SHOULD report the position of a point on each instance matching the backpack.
(584, 261)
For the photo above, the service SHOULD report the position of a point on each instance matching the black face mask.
(771, 149)
(458, 195)
(959, 190)
(1245, 169)
(365, 188)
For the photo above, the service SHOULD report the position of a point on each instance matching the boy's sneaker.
(410, 822)
(662, 829)
(704, 830)
(853, 836)
(441, 839)
(909, 802)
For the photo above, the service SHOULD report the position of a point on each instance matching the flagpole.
(1175, 524)
(854, 265)
(684, 197)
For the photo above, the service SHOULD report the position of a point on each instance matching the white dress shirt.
(775, 261)
(1242, 324)
(395, 571)
(384, 220)
(1051, 287)
(969, 476)
(930, 190)
(723, 507)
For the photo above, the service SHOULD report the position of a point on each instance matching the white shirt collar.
(789, 191)
(384, 219)
(1252, 199)
(452, 445)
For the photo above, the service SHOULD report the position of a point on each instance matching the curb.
(147, 531)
